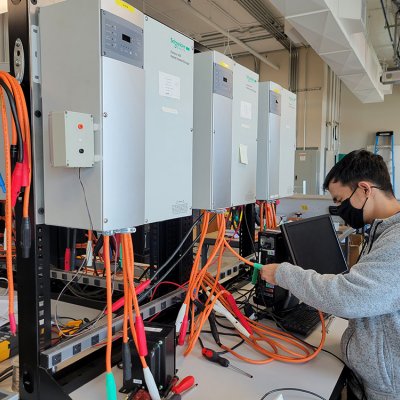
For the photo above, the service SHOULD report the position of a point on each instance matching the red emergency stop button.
(80, 126)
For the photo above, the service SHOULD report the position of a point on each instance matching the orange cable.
(109, 302)
(8, 210)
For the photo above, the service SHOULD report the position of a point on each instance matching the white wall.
(359, 122)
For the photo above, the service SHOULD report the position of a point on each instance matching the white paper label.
(243, 154)
(89, 254)
(169, 110)
(302, 158)
(245, 110)
(35, 65)
(169, 85)
(149, 329)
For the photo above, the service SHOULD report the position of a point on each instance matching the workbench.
(322, 375)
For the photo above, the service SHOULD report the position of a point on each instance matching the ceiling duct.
(335, 29)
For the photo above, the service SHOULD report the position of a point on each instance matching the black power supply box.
(161, 344)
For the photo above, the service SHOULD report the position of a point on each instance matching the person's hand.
(267, 273)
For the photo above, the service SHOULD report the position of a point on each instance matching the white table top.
(215, 382)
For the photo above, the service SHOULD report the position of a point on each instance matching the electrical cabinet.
(275, 142)
(244, 136)
(287, 143)
(71, 139)
(268, 141)
(212, 136)
(168, 64)
(92, 63)
(307, 171)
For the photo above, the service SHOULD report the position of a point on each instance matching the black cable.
(250, 235)
(387, 23)
(84, 194)
(92, 295)
(232, 348)
(201, 342)
(292, 390)
(8, 369)
(226, 334)
(144, 273)
(3, 378)
(160, 269)
(145, 293)
(73, 250)
(271, 314)
(13, 107)
(231, 328)
(97, 248)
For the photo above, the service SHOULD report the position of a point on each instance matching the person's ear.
(366, 187)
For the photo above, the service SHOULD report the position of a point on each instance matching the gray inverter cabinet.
(212, 136)
(244, 136)
(168, 64)
(92, 63)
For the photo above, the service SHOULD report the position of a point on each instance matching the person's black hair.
(361, 165)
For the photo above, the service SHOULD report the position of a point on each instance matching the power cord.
(292, 390)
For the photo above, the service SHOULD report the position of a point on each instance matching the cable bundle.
(17, 157)
(267, 212)
(206, 296)
(135, 324)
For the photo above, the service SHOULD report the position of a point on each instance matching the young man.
(369, 295)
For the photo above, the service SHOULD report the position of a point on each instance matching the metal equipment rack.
(37, 357)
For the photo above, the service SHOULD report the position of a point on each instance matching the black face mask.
(352, 216)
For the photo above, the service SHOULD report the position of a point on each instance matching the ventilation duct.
(335, 29)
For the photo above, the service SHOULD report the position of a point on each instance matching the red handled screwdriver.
(181, 386)
(213, 356)
(177, 396)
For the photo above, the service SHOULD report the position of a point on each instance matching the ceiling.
(377, 32)
(228, 14)
(232, 17)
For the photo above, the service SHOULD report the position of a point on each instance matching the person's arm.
(372, 287)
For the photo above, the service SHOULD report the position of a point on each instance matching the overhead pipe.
(267, 19)
(261, 13)
(229, 36)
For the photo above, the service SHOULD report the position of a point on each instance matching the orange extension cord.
(107, 267)
(267, 212)
(22, 114)
(270, 343)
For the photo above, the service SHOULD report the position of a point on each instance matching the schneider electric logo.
(179, 45)
(250, 79)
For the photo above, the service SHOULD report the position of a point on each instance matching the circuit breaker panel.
(168, 62)
(244, 136)
(212, 140)
(102, 81)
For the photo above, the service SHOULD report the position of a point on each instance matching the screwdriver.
(212, 356)
(182, 386)
(173, 382)
(177, 396)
